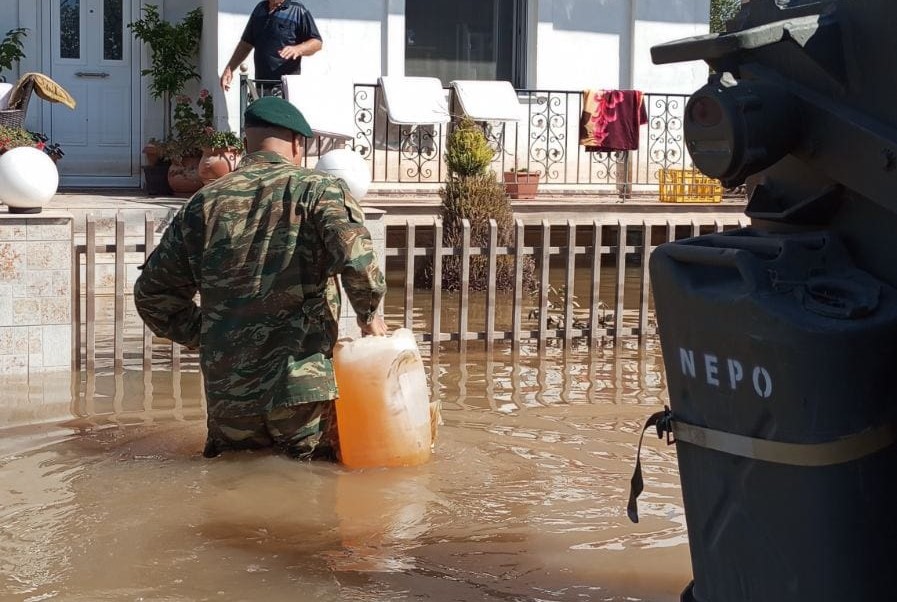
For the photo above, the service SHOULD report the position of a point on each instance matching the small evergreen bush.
(472, 192)
(468, 152)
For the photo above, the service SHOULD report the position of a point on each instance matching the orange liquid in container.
(383, 410)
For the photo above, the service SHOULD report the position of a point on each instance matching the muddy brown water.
(524, 499)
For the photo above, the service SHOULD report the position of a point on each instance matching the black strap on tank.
(839, 451)
(663, 422)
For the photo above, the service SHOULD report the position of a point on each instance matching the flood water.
(524, 500)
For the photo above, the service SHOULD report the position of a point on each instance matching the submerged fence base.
(591, 287)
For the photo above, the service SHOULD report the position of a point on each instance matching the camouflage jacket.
(262, 247)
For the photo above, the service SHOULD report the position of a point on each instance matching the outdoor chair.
(414, 100)
(494, 104)
(417, 106)
(326, 103)
(14, 104)
(488, 100)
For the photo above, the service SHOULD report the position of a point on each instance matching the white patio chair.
(414, 100)
(488, 100)
(327, 103)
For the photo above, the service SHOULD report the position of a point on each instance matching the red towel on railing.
(611, 119)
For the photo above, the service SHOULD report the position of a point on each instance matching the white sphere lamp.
(351, 167)
(28, 179)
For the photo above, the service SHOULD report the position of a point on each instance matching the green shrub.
(11, 48)
(468, 152)
(477, 199)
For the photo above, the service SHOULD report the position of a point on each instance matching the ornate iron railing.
(546, 141)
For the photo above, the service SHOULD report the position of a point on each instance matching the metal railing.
(604, 263)
(547, 140)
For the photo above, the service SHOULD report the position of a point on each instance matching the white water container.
(383, 410)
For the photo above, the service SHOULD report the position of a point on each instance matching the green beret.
(270, 111)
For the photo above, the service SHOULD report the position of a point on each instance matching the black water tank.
(781, 361)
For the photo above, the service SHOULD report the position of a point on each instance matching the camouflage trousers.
(306, 432)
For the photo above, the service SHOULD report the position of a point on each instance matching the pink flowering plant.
(191, 119)
(193, 129)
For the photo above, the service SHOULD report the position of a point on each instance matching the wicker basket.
(12, 119)
(688, 186)
(15, 116)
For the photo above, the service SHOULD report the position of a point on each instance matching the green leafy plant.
(192, 121)
(221, 140)
(173, 50)
(468, 152)
(12, 48)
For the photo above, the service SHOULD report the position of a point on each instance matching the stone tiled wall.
(35, 292)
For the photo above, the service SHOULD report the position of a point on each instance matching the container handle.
(736, 259)
(759, 245)
(840, 298)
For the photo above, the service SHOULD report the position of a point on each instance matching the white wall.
(606, 44)
(660, 21)
(578, 44)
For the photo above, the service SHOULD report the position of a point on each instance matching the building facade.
(536, 44)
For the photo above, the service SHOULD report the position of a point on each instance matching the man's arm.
(240, 53)
(164, 291)
(349, 252)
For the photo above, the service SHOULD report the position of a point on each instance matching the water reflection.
(524, 499)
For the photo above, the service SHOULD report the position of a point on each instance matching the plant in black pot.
(173, 50)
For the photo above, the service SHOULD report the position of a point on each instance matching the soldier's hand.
(377, 327)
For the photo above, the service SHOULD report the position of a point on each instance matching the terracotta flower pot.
(217, 162)
(182, 176)
(522, 184)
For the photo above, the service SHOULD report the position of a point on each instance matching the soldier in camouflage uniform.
(262, 247)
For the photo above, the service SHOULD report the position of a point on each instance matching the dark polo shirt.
(268, 32)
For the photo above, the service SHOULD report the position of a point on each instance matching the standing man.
(262, 247)
(281, 32)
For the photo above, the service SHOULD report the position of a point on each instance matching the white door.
(91, 57)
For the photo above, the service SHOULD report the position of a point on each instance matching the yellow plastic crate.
(688, 186)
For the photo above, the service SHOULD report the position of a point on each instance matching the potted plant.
(184, 148)
(221, 152)
(11, 49)
(522, 183)
(173, 49)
